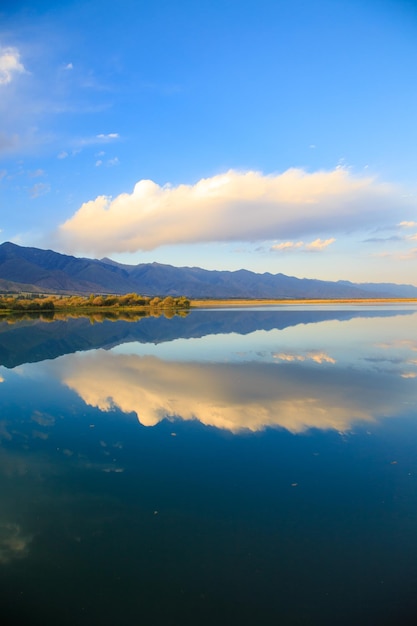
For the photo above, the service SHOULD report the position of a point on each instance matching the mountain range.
(46, 271)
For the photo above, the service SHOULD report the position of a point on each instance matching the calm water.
(231, 467)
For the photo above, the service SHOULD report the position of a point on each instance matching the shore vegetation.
(56, 304)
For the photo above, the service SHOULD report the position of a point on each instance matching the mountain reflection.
(293, 389)
(327, 375)
(31, 341)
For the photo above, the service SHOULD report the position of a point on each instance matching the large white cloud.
(235, 206)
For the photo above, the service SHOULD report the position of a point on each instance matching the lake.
(242, 466)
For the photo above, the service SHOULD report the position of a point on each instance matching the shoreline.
(230, 303)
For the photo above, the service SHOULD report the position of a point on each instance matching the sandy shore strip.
(216, 303)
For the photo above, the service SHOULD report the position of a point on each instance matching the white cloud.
(108, 137)
(287, 245)
(108, 163)
(319, 244)
(10, 65)
(315, 246)
(97, 139)
(235, 206)
(409, 224)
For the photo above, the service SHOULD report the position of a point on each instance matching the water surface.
(231, 467)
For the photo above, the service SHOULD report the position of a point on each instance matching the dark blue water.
(231, 467)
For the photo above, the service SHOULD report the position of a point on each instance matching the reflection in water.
(317, 357)
(105, 520)
(13, 543)
(233, 396)
(293, 389)
(34, 340)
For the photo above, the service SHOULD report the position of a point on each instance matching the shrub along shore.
(54, 303)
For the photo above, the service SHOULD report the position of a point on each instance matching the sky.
(275, 136)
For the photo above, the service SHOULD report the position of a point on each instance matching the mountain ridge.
(46, 271)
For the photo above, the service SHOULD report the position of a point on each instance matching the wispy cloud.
(383, 239)
(108, 137)
(101, 138)
(314, 246)
(410, 224)
(320, 357)
(10, 65)
(407, 255)
(8, 142)
(319, 244)
(112, 162)
(317, 356)
(40, 189)
(234, 206)
(36, 173)
(108, 163)
(286, 246)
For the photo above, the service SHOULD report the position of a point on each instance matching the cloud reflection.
(13, 542)
(315, 355)
(234, 396)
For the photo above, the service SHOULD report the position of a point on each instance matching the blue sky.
(276, 136)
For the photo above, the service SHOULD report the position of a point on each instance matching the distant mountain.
(408, 291)
(32, 269)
